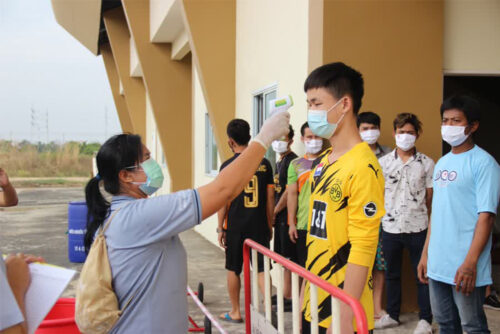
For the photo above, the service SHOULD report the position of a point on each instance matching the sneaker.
(385, 322)
(492, 302)
(423, 327)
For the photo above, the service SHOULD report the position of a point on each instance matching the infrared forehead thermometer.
(280, 104)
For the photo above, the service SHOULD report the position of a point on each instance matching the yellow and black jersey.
(345, 208)
(247, 213)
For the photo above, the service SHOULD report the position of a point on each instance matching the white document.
(47, 284)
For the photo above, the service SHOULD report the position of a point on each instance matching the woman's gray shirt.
(148, 261)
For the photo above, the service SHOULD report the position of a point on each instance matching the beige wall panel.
(81, 19)
(398, 46)
(272, 47)
(133, 88)
(114, 83)
(168, 85)
(472, 36)
(211, 28)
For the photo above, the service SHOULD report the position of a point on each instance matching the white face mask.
(370, 136)
(453, 135)
(280, 146)
(313, 146)
(405, 141)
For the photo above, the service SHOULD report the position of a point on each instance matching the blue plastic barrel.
(77, 225)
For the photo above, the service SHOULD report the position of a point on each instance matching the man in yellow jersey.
(347, 197)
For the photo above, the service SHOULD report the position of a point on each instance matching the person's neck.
(239, 149)
(467, 145)
(373, 147)
(405, 155)
(282, 155)
(345, 137)
(311, 156)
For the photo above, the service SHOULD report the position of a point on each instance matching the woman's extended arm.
(232, 179)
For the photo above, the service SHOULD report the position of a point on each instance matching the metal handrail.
(353, 303)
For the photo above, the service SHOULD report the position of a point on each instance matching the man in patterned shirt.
(408, 198)
(347, 199)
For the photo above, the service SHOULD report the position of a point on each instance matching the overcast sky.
(42, 67)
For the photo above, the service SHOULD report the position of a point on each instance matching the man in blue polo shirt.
(456, 259)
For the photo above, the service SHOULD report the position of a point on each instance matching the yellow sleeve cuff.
(361, 258)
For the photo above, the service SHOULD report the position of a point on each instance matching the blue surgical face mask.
(154, 176)
(318, 122)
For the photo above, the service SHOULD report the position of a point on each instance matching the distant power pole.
(47, 124)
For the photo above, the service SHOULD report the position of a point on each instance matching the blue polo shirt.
(465, 185)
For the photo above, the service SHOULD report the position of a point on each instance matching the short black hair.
(407, 118)
(303, 128)
(466, 104)
(339, 79)
(291, 133)
(239, 130)
(368, 117)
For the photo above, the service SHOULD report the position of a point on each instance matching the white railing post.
(267, 289)
(295, 303)
(335, 316)
(313, 290)
(255, 281)
(279, 295)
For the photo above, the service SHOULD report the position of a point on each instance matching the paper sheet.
(47, 284)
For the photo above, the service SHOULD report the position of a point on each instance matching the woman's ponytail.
(98, 210)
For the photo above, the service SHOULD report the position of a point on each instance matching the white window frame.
(261, 98)
(210, 145)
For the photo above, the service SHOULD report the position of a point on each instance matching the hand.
(222, 239)
(465, 278)
(346, 318)
(274, 128)
(422, 270)
(18, 273)
(4, 178)
(292, 232)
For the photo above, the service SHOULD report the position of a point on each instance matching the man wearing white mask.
(299, 191)
(282, 243)
(369, 130)
(456, 261)
(408, 197)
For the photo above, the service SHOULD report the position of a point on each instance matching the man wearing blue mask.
(347, 197)
(456, 260)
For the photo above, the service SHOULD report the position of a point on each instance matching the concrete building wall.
(272, 48)
(208, 228)
(471, 37)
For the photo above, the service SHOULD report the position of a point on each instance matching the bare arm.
(428, 201)
(9, 195)
(292, 211)
(282, 203)
(422, 265)
(270, 208)
(354, 283)
(221, 234)
(465, 278)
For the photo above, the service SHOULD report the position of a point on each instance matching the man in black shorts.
(248, 216)
(282, 243)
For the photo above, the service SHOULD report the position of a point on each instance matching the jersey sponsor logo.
(318, 170)
(370, 209)
(336, 191)
(318, 220)
(444, 177)
(262, 168)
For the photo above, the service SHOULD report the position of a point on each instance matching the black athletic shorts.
(234, 250)
(282, 243)
(300, 248)
(306, 327)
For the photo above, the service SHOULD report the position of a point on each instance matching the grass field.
(51, 160)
